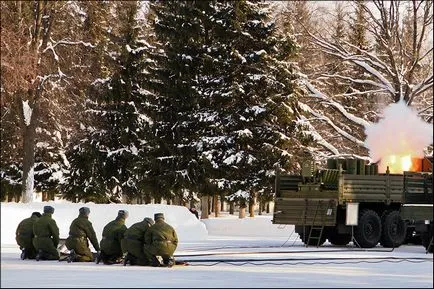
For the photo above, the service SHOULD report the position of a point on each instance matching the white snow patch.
(27, 112)
(29, 184)
(245, 132)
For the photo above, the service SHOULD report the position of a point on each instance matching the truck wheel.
(426, 239)
(393, 230)
(368, 232)
(338, 239)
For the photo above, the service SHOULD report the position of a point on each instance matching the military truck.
(348, 201)
(417, 210)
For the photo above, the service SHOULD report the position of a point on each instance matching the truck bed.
(315, 204)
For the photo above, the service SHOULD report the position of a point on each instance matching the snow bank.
(259, 226)
(187, 226)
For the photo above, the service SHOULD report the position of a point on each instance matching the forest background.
(188, 101)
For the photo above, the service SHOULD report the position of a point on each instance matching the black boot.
(23, 254)
(39, 255)
(169, 262)
(126, 259)
(98, 257)
(72, 256)
(155, 262)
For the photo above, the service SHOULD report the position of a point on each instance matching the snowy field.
(222, 252)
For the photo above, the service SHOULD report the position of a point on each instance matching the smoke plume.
(400, 132)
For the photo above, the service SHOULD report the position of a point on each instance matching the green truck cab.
(417, 209)
(348, 200)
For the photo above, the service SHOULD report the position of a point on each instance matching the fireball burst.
(398, 164)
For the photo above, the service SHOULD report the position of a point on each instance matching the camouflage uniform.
(160, 240)
(112, 235)
(80, 230)
(24, 236)
(133, 241)
(46, 236)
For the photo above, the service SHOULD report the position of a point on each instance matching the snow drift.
(187, 226)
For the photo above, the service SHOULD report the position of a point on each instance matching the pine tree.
(181, 31)
(229, 92)
(117, 107)
(253, 114)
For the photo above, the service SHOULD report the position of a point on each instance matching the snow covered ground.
(205, 243)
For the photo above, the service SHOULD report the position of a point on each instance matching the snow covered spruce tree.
(41, 67)
(257, 103)
(227, 115)
(105, 161)
(394, 65)
(95, 18)
(180, 30)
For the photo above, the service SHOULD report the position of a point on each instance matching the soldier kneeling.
(24, 236)
(80, 230)
(132, 243)
(160, 240)
(112, 235)
(46, 236)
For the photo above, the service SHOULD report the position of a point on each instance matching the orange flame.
(399, 163)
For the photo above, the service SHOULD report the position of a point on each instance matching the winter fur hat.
(48, 210)
(36, 214)
(84, 211)
(158, 216)
(123, 213)
(149, 221)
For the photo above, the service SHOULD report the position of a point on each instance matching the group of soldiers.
(150, 242)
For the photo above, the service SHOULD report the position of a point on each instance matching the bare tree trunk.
(260, 207)
(209, 200)
(268, 207)
(231, 208)
(222, 203)
(177, 200)
(216, 205)
(44, 18)
(124, 197)
(251, 209)
(252, 204)
(242, 212)
(29, 136)
(204, 208)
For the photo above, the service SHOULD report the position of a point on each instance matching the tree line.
(138, 101)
